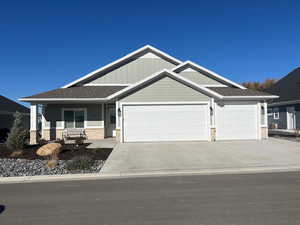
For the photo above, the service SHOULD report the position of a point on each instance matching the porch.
(48, 121)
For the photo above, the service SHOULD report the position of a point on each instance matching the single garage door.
(237, 121)
(142, 123)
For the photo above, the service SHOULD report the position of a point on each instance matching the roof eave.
(53, 100)
(267, 97)
(290, 102)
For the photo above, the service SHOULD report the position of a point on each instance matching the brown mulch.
(68, 152)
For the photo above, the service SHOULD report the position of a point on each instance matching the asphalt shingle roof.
(229, 91)
(8, 105)
(287, 88)
(79, 92)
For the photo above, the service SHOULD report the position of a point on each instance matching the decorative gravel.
(25, 167)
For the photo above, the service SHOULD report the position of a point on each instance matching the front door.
(110, 120)
(291, 118)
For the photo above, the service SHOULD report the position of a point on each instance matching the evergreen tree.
(17, 135)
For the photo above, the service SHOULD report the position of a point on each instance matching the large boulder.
(50, 149)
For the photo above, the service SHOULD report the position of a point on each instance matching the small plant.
(52, 163)
(17, 136)
(82, 162)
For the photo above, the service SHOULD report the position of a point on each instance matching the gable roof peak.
(124, 59)
(181, 67)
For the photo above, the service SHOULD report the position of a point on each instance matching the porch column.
(33, 124)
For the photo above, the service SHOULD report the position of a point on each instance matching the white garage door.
(237, 122)
(142, 123)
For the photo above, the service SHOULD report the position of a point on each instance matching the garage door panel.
(237, 122)
(164, 122)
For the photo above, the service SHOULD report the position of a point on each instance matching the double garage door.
(189, 122)
(180, 122)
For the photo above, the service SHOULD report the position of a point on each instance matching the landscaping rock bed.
(28, 163)
(25, 167)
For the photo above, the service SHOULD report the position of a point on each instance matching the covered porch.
(48, 121)
(89, 108)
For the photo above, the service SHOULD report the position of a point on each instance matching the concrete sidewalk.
(131, 158)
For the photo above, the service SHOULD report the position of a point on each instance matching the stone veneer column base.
(52, 134)
(213, 134)
(94, 133)
(264, 133)
(33, 137)
(118, 135)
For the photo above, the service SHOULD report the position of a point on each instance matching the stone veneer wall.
(264, 133)
(118, 135)
(94, 133)
(213, 134)
(91, 133)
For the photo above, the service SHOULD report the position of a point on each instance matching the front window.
(74, 118)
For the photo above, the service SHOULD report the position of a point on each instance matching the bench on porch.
(74, 133)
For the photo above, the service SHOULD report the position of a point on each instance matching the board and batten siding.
(282, 121)
(133, 71)
(166, 90)
(53, 114)
(198, 77)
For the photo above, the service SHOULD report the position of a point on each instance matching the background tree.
(260, 86)
(18, 134)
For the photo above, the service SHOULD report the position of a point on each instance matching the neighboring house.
(7, 110)
(149, 95)
(284, 112)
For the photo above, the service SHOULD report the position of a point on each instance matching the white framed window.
(270, 112)
(276, 113)
(74, 118)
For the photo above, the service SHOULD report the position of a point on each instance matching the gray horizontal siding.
(133, 71)
(166, 90)
(53, 114)
(282, 121)
(199, 78)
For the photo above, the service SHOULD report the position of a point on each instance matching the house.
(284, 112)
(149, 95)
(7, 110)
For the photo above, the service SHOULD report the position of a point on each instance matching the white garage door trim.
(238, 136)
(124, 104)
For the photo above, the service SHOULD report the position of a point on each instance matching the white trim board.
(150, 48)
(213, 74)
(89, 84)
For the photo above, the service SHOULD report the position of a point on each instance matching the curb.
(107, 176)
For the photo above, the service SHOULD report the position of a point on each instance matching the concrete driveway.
(130, 158)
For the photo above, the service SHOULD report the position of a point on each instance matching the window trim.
(74, 109)
(276, 114)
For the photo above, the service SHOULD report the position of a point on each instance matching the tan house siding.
(166, 90)
(133, 71)
(199, 78)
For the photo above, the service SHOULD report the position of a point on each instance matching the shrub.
(52, 163)
(17, 136)
(82, 162)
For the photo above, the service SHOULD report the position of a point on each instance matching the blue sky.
(46, 44)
